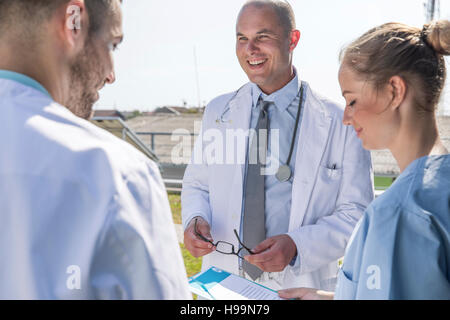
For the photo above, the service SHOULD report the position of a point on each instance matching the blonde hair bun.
(438, 36)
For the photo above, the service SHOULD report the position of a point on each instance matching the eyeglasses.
(223, 246)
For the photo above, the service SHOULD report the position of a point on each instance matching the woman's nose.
(347, 116)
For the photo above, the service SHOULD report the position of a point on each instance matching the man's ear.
(398, 89)
(75, 24)
(294, 38)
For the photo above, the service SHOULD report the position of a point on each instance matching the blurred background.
(182, 53)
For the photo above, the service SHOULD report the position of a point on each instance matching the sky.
(155, 65)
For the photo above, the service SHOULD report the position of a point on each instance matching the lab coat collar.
(23, 79)
(281, 98)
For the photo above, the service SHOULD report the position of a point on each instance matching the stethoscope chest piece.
(284, 173)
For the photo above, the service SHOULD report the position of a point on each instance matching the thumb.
(263, 246)
(205, 230)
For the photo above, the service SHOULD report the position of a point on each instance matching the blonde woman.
(392, 78)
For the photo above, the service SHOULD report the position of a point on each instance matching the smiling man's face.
(263, 48)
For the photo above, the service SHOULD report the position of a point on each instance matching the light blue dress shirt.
(401, 247)
(282, 116)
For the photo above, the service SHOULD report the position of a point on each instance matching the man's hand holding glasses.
(201, 231)
(193, 243)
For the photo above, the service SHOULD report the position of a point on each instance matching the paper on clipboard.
(217, 284)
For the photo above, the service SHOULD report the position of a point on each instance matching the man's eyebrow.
(267, 31)
(263, 31)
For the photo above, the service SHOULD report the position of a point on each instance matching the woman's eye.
(351, 104)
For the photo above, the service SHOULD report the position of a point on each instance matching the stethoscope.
(284, 172)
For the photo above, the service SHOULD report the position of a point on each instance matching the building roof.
(109, 113)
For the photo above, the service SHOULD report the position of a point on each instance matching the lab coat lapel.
(240, 110)
(313, 138)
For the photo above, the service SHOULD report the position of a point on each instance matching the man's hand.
(305, 294)
(195, 245)
(273, 254)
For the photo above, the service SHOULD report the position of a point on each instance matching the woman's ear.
(398, 87)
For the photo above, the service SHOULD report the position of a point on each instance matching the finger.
(263, 245)
(205, 231)
(272, 267)
(293, 293)
(194, 242)
(260, 257)
(191, 234)
(201, 244)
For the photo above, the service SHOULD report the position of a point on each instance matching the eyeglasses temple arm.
(240, 242)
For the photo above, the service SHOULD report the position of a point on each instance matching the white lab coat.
(83, 215)
(326, 202)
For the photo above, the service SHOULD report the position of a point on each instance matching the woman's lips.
(358, 131)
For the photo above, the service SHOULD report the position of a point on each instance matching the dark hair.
(98, 11)
(37, 11)
(397, 49)
(282, 9)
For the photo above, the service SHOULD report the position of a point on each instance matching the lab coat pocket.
(345, 288)
(330, 172)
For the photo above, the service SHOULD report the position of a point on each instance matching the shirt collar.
(281, 98)
(23, 79)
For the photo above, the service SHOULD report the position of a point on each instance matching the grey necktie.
(254, 229)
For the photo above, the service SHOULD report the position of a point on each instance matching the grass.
(175, 205)
(191, 263)
(382, 183)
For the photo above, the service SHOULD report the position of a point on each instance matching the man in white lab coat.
(83, 215)
(318, 179)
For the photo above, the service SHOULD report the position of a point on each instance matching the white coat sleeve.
(325, 241)
(137, 255)
(195, 191)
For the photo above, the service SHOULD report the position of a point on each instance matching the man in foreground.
(83, 215)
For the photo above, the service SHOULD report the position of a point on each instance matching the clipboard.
(217, 284)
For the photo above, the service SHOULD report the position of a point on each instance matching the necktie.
(254, 229)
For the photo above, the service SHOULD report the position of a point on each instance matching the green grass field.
(382, 183)
(191, 263)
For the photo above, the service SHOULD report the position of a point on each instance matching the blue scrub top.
(400, 249)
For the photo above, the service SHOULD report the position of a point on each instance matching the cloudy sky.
(155, 65)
